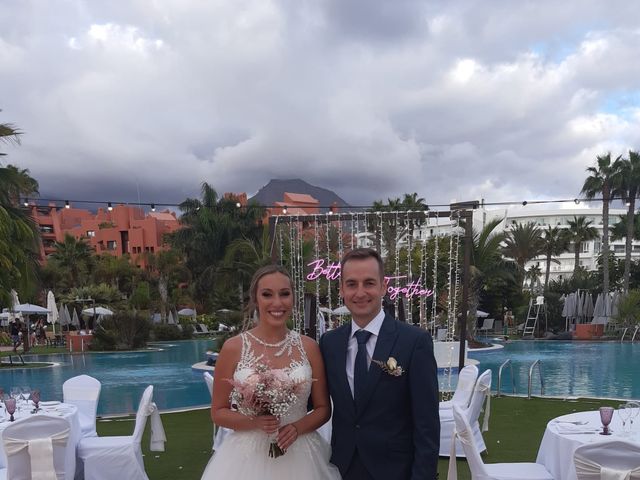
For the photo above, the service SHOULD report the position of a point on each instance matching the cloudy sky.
(501, 100)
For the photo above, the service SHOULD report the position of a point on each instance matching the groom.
(382, 377)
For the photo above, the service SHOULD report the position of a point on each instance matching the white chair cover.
(83, 391)
(608, 460)
(466, 382)
(481, 390)
(481, 471)
(107, 458)
(36, 448)
(219, 433)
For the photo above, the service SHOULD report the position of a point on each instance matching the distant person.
(16, 335)
(383, 381)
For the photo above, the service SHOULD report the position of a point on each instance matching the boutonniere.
(390, 366)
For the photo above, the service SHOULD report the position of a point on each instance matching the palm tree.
(629, 184)
(210, 224)
(74, 255)
(602, 180)
(9, 133)
(164, 267)
(523, 243)
(620, 230)
(580, 230)
(487, 263)
(19, 246)
(533, 275)
(554, 242)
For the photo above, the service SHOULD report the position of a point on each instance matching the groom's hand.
(267, 423)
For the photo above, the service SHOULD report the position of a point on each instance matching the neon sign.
(332, 272)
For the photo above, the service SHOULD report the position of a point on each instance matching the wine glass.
(15, 394)
(625, 415)
(35, 398)
(10, 403)
(26, 393)
(606, 415)
(635, 411)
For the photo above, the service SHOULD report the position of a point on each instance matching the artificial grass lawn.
(515, 430)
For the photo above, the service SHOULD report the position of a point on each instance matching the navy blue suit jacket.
(397, 430)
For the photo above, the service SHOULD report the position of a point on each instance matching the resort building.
(123, 230)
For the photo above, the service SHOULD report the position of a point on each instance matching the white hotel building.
(557, 217)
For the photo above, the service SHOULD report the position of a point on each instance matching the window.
(111, 244)
(91, 233)
(618, 249)
(46, 228)
(584, 247)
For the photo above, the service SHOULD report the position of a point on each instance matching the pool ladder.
(533, 365)
(513, 381)
(507, 362)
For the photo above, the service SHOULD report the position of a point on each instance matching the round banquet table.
(64, 410)
(561, 438)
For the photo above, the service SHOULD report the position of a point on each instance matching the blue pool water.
(569, 369)
(591, 369)
(124, 376)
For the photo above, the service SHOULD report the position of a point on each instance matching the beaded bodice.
(288, 355)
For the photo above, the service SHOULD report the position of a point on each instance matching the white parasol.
(52, 316)
(97, 311)
(170, 319)
(75, 321)
(29, 308)
(343, 310)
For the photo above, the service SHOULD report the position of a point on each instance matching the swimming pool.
(124, 376)
(569, 368)
(589, 369)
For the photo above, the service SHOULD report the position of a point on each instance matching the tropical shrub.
(166, 332)
(122, 331)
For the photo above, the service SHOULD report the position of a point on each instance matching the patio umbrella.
(67, 315)
(170, 319)
(614, 304)
(481, 314)
(97, 311)
(75, 321)
(588, 305)
(29, 308)
(62, 318)
(52, 316)
(15, 301)
(187, 312)
(342, 311)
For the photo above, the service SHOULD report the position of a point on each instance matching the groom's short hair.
(363, 254)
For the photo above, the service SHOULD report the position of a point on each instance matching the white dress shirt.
(352, 347)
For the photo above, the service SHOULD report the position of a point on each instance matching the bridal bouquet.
(266, 392)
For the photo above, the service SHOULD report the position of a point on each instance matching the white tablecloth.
(560, 440)
(65, 410)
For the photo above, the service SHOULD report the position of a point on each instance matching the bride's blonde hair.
(251, 312)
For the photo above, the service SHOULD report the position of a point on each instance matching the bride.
(271, 345)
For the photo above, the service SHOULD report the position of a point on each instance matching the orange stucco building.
(125, 229)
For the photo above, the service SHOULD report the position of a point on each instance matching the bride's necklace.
(285, 344)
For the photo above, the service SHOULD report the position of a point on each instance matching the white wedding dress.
(244, 454)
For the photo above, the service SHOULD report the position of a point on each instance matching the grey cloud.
(449, 99)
